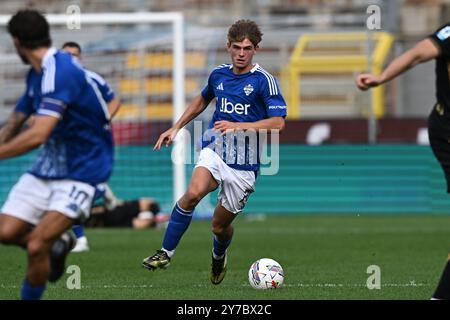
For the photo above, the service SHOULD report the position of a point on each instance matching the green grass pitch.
(324, 257)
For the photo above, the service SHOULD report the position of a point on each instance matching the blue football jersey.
(248, 97)
(105, 89)
(81, 146)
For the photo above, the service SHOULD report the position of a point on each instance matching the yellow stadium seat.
(159, 111)
(152, 111)
(128, 111)
(155, 86)
(164, 60)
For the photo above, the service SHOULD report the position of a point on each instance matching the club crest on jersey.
(248, 89)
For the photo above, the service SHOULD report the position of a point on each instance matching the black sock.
(443, 289)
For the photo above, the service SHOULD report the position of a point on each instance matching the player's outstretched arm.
(193, 110)
(12, 126)
(29, 139)
(166, 138)
(423, 51)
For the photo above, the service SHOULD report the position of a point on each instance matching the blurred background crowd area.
(373, 157)
(137, 60)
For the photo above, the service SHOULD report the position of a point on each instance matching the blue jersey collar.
(256, 66)
(50, 53)
(252, 70)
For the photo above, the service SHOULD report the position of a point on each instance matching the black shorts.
(439, 135)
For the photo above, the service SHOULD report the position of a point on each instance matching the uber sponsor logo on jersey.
(238, 108)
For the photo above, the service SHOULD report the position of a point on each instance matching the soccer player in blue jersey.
(71, 123)
(103, 191)
(108, 94)
(248, 99)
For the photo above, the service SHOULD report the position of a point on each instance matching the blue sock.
(28, 292)
(78, 229)
(178, 224)
(220, 247)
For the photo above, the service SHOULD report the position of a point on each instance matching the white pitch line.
(294, 285)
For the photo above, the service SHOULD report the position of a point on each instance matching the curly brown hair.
(242, 29)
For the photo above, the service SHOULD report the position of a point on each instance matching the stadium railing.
(321, 71)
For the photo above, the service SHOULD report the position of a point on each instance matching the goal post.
(84, 21)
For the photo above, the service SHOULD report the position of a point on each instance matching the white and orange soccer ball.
(266, 273)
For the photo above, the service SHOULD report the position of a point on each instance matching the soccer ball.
(266, 274)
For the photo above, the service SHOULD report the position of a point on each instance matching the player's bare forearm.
(196, 107)
(114, 106)
(12, 126)
(423, 51)
(273, 123)
(20, 144)
(30, 138)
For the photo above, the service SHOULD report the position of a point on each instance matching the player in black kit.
(436, 46)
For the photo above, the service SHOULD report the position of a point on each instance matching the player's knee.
(36, 247)
(218, 229)
(192, 198)
(7, 236)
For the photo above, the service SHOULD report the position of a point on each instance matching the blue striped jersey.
(248, 97)
(103, 86)
(81, 146)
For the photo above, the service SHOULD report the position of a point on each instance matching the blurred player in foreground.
(436, 46)
(113, 102)
(72, 123)
(248, 100)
